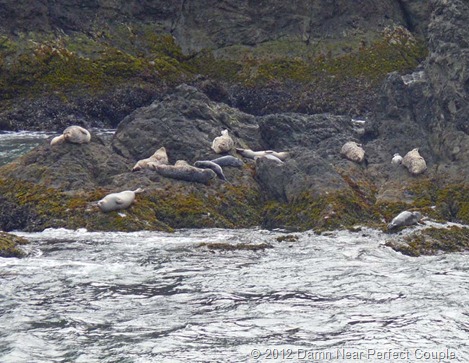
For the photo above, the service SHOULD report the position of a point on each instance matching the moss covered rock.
(9, 245)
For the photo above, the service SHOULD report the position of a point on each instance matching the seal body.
(117, 201)
(396, 159)
(183, 171)
(248, 153)
(228, 160)
(269, 157)
(414, 162)
(405, 218)
(207, 164)
(353, 152)
(73, 134)
(223, 143)
(159, 157)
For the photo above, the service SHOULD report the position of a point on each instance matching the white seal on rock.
(405, 218)
(223, 143)
(73, 134)
(228, 160)
(353, 151)
(248, 153)
(396, 159)
(160, 157)
(116, 201)
(414, 162)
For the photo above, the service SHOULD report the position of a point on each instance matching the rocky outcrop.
(9, 245)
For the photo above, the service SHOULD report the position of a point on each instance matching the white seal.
(116, 201)
(405, 218)
(396, 159)
(159, 157)
(414, 162)
(73, 134)
(353, 151)
(223, 143)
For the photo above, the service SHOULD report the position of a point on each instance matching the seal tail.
(139, 190)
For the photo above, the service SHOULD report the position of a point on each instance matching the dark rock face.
(214, 24)
(185, 123)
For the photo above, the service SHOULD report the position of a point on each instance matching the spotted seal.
(248, 153)
(269, 157)
(73, 134)
(396, 159)
(116, 201)
(181, 170)
(223, 143)
(207, 164)
(228, 160)
(353, 151)
(405, 218)
(414, 162)
(159, 157)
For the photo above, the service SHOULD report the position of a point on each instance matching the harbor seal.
(159, 157)
(414, 162)
(73, 134)
(248, 153)
(228, 160)
(353, 152)
(405, 218)
(269, 157)
(396, 159)
(183, 171)
(116, 201)
(223, 143)
(207, 164)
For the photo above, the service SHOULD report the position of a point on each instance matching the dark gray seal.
(228, 160)
(405, 218)
(183, 171)
(207, 164)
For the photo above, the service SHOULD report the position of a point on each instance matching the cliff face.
(199, 24)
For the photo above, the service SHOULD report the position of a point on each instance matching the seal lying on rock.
(269, 157)
(405, 218)
(73, 134)
(223, 143)
(183, 171)
(414, 162)
(116, 201)
(228, 160)
(353, 151)
(207, 164)
(396, 159)
(159, 157)
(248, 153)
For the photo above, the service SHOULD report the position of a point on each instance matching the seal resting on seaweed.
(159, 157)
(405, 218)
(223, 143)
(73, 134)
(116, 201)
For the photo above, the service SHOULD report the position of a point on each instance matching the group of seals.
(73, 134)
(159, 157)
(413, 161)
(248, 153)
